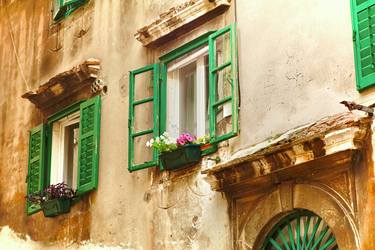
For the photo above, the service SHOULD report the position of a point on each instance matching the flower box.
(52, 208)
(184, 156)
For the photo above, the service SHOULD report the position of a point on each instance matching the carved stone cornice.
(64, 85)
(314, 149)
(179, 20)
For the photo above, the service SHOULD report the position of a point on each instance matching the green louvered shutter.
(58, 9)
(36, 162)
(143, 116)
(72, 5)
(363, 16)
(63, 8)
(223, 84)
(88, 145)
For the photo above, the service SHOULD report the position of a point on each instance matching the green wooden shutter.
(63, 8)
(143, 116)
(223, 84)
(88, 145)
(58, 9)
(363, 17)
(36, 162)
(72, 5)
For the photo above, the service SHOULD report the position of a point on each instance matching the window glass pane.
(223, 83)
(223, 50)
(71, 158)
(187, 94)
(223, 119)
(144, 85)
(64, 154)
(142, 153)
(143, 117)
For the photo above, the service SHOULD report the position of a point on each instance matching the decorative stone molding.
(309, 150)
(180, 19)
(65, 85)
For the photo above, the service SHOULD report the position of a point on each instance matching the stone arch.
(314, 197)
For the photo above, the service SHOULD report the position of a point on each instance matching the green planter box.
(182, 157)
(55, 207)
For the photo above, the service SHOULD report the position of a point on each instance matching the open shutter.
(223, 84)
(143, 116)
(72, 5)
(58, 9)
(88, 145)
(36, 162)
(63, 8)
(363, 16)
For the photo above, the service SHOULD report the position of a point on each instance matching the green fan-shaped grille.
(301, 230)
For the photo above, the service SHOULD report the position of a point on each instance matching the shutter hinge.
(354, 36)
(27, 178)
(129, 122)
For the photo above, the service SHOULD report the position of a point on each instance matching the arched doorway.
(293, 199)
(302, 230)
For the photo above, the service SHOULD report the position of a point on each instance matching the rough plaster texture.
(128, 210)
(296, 64)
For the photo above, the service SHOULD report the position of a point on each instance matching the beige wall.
(296, 64)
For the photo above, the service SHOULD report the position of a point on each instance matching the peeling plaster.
(12, 240)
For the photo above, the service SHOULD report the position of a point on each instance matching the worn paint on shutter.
(363, 15)
(36, 162)
(88, 145)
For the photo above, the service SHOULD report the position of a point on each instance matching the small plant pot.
(56, 207)
(184, 156)
(205, 146)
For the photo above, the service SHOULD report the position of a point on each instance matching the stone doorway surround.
(321, 167)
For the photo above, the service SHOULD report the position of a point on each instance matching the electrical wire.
(11, 33)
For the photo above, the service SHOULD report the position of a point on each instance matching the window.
(65, 149)
(363, 13)
(193, 89)
(63, 8)
(187, 94)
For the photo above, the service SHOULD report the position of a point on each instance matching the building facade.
(85, 84)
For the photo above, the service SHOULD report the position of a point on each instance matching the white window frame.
(173, 110)
(59, 170)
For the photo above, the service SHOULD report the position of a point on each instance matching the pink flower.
(185, 138)
(180, 141)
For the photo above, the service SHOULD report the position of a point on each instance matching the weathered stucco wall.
(296, 64)
(132, 209)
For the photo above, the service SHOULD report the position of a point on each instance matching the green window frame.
(63, 8)
(160, 92)
(40, 150)
(363, 20)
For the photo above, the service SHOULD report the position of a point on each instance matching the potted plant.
(54, 200)
(176, 153)
(204, 142)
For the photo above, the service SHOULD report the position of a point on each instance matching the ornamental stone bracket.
(179, 20)
(320, 148)
(66, 87)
